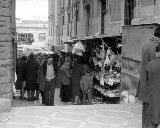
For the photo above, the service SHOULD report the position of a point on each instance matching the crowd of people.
(43, 74)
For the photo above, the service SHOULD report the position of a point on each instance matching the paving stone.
(63, 123)
(96, 125)
(35, 113)
(135, 123)
(114, 113)
(16, 126)
(5, 105)
(109, 120)
(81, 111)
(71, 116)
(26, 120)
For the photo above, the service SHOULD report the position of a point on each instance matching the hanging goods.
(78, 48)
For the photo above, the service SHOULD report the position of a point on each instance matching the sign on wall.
(25, 38)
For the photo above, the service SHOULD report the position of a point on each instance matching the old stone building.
(54, 22)
(82, 18)
(87, 18)
(7, 45)
(140, 18)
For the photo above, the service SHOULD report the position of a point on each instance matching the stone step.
(5, 105)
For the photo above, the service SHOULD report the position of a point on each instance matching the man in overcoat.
(152, 80)
(148, 54)
(50, 71)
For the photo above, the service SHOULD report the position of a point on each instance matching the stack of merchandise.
(111, 76)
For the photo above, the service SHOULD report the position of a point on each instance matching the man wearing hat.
(50, 70)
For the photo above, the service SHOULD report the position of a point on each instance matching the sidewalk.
(73, 116)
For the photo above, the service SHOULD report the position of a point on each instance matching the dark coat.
(41, 79)
(65, 75)
(148, 54)
(20, 74)
(77, 73)
(152, 75)
(56, 70)
(55, 66)
(31, 77)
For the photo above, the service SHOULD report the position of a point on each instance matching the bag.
(57, 99)
(78, 49)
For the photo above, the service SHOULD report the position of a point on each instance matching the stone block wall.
(7, 26)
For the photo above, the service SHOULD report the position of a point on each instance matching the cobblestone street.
(73, 116)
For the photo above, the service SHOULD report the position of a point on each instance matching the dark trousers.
(66, 93)
(146, 123)
(49, 92)
(145, 116)
(43, 99)
(87, 95)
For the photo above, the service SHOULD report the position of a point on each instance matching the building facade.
(38, 28)
(85, 18)
(7, 47)
(70, 19)
(82, 18)
(54, 22)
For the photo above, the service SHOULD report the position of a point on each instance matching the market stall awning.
(90, 38)
(58, 48)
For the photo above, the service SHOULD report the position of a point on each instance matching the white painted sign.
(25, 38)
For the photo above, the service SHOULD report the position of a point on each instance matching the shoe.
(32, 99)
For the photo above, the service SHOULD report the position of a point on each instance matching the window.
(103, 13)
(69, 17)
(69, 2)
(129, 11)
(77, 13)
(69, 20)
(42, 36)
(115, 10)
(63, 20)
(147, 2)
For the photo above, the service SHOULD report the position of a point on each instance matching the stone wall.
(7, 28)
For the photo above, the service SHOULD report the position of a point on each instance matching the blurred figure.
(152, 80)
(41, 81)
(50, 70)
(31, 77)
(20, 75)
(66, 90)
(148, 54)
(86, 84)
(77, 73)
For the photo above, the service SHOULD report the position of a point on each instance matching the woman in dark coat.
(20, 73)
(77, 73)
(31, 77)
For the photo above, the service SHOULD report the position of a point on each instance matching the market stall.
(105, 60)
